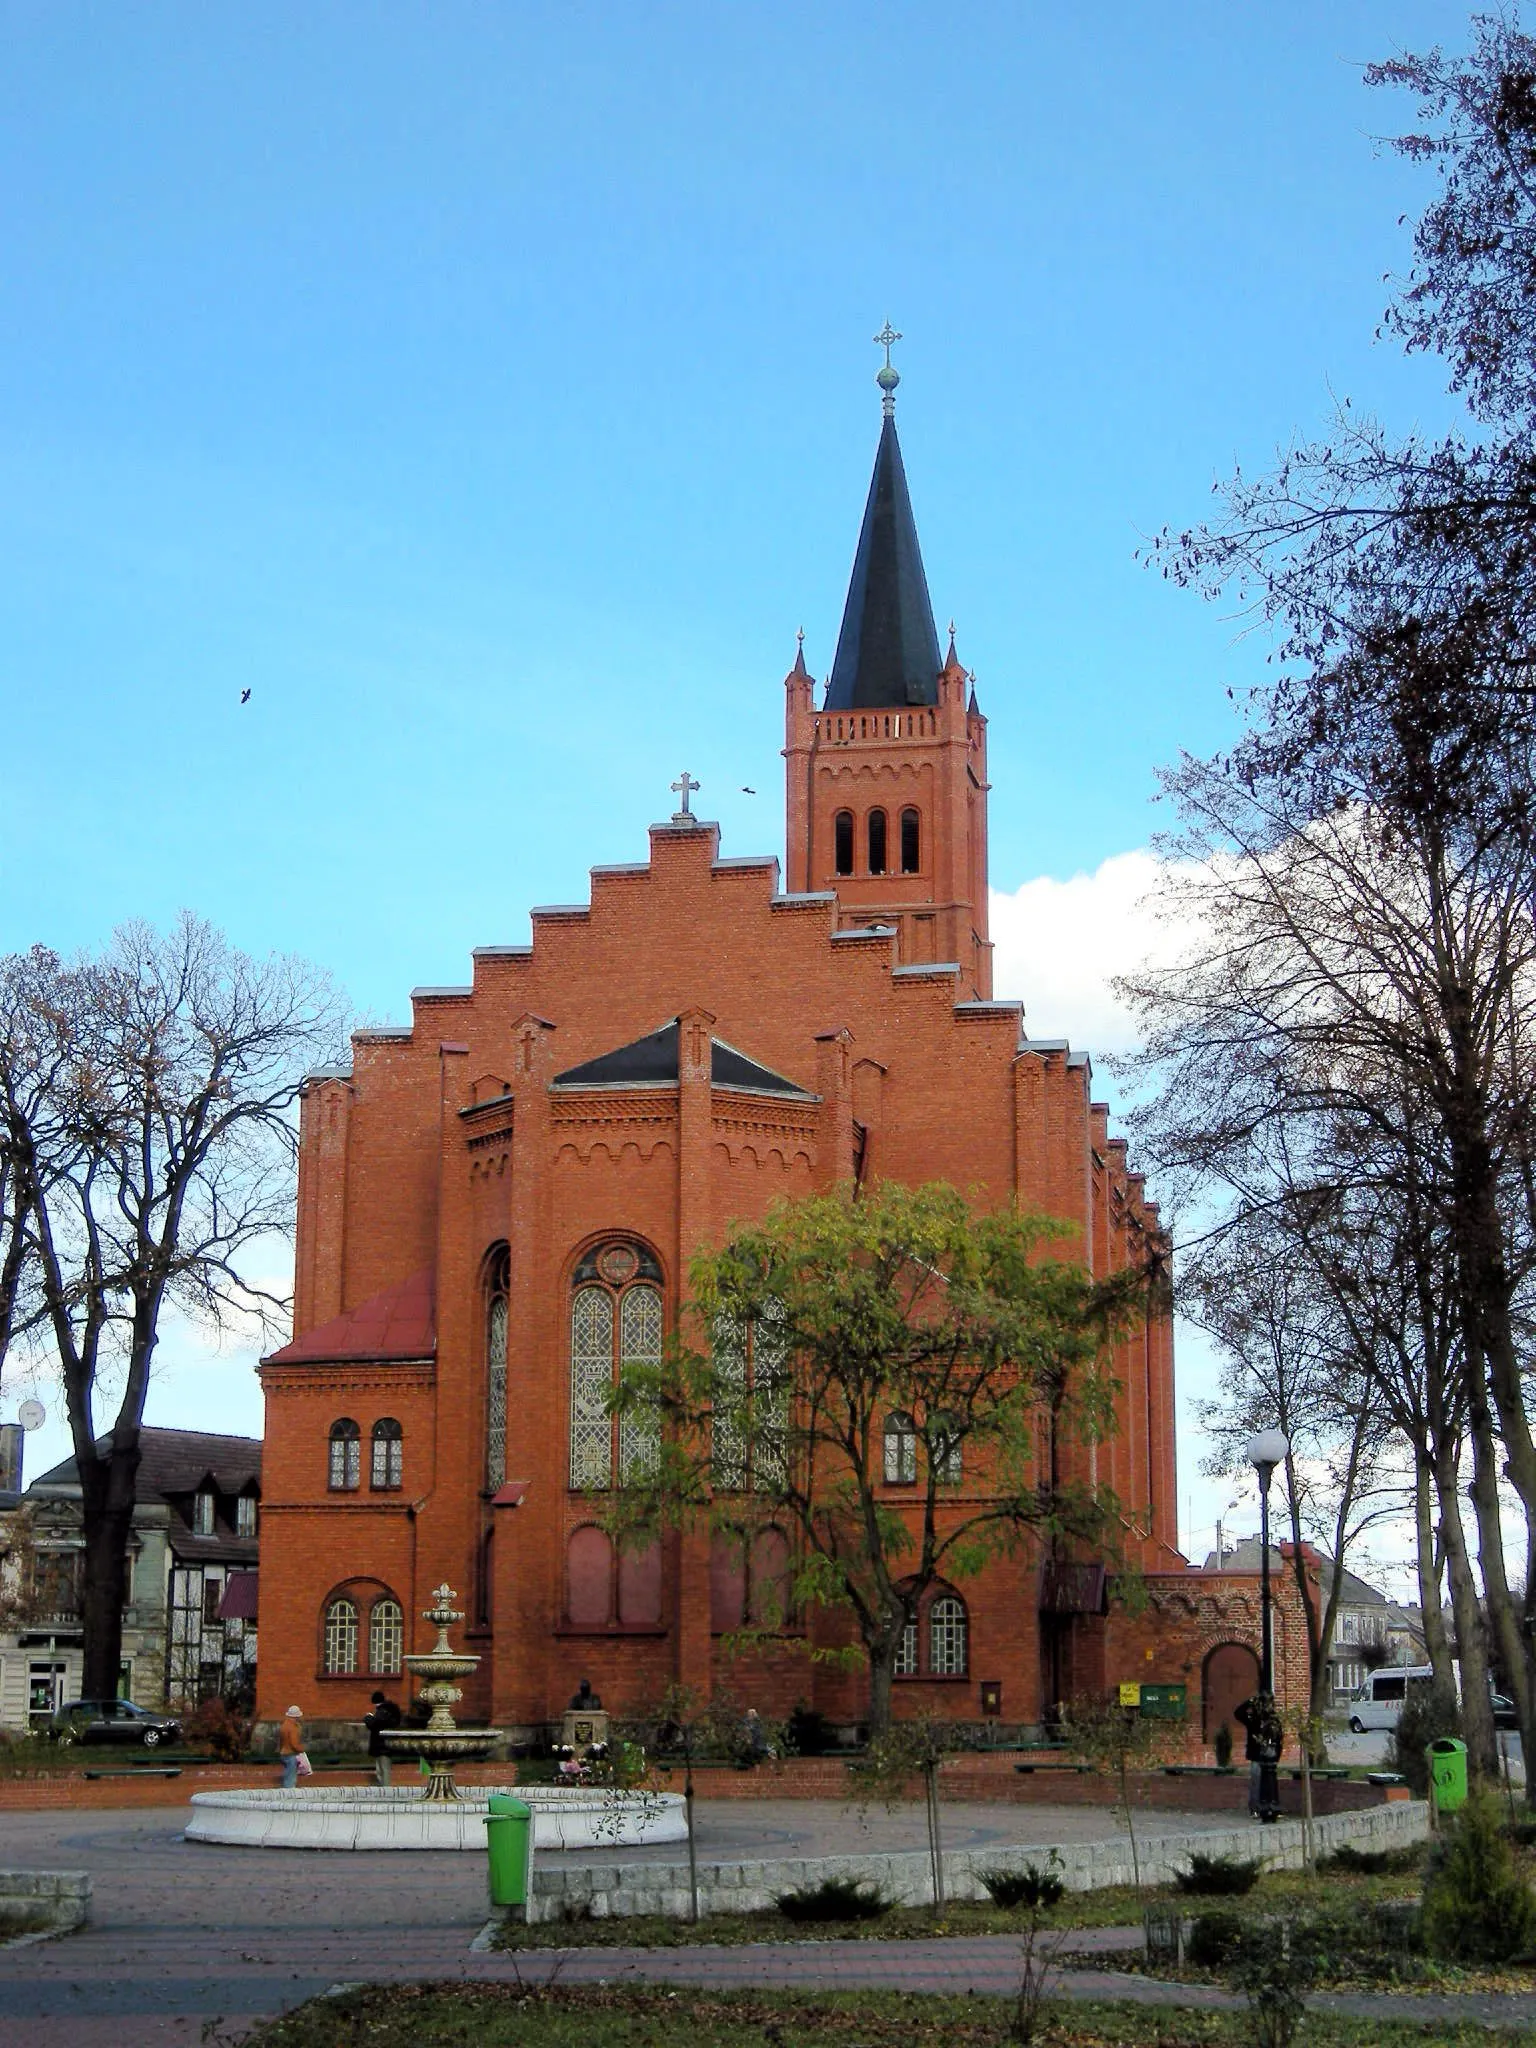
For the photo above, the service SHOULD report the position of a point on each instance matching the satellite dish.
(31, 1414)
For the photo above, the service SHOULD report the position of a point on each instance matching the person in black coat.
(385, 1715)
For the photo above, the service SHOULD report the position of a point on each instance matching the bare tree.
(148, 1100)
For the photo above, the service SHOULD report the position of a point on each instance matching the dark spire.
(800, 668)
(888, 650)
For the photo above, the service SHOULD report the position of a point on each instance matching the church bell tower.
(886, 780)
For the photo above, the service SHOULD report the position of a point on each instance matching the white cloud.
(1059, 945)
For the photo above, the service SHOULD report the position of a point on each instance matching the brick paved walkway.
(184, 1934)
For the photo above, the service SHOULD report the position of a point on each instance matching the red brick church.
(497, 1203)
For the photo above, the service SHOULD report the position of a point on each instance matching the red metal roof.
(400, 1322)
(239, 1602)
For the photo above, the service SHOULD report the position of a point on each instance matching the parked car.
(1378, 1702)
(112, 1721)
(1504, 1714)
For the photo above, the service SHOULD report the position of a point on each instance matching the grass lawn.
(444, 2016)
(1116, 1906)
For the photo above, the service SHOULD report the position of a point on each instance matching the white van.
(1378, 1702)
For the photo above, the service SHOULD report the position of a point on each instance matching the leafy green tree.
(891, 1379)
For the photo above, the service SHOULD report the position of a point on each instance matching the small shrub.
(214, 1727)
(1219, 1876)
(1274, 1965)
(1477, 1906)
(1426, 1715)
(835, 1898)
(1032, 1887)
(1373, 1862)
(1221, 1743)
(1214, 1939)
(806, 1732)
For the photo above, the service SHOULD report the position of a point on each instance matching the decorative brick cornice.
(343, 1374)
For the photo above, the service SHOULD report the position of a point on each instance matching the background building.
(189, 1628)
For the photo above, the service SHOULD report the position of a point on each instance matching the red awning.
(239, 1602)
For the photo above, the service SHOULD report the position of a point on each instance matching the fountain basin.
(397, 1817)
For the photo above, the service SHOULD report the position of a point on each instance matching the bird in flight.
(747, 792)
(245, 696)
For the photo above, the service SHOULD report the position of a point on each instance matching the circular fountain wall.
(397, 1817)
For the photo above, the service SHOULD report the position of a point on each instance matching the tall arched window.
(751, 1401)
(616, 1322)
(341, 1638)
(388, 1466)
(946, 1637)
(906, 1652)
(842, 842)
(911, 842)
(877, 842)
(900, 1450)
(346, 1471)
(386, 1637)
(498, 1278)
(944, 1449)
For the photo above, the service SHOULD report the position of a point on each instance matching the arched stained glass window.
(388, 1467)
(617, 1323)
(946, 1637)
(496, 1371)
(346, 1469)
(842, 842)
(386, 1637)
(341, 1638)
(750, 1422)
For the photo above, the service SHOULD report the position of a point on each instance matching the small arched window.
(386, 1637)
(877, 842)
(946, 1637)
(388, 1467)
(911, 842)
(341, 1638)
(499, 1276)
(900, 1450)
(842, 842)
(346, 1456)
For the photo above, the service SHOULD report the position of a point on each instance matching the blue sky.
(489, 390)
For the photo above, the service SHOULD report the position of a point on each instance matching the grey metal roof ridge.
(490, 1102)
(1046, 1045)
(561, 910)
(501, 953)
(447, 990)
(612, 1087)
(329, 1074)
(1010, 1004)
(793, 898)
(1079, 1059)
(621, 867)
(951, 967)
(746, 860)
(694, 825)
(773, 1094)
(867, 931)
(367, 1031)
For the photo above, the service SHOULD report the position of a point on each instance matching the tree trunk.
(935, 1837)
(1502, 1619)
(1476, 1710)
(881, 1661)
(104, 1594)
(1436, 1642)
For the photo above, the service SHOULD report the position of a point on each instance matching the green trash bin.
(1447, 1773)
(509, 1849)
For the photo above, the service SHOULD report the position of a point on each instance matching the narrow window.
(346, 1456)
(900, 1450)
(842, 842)
(946, 1637)
(245, 1515)
(877, 842)
(591, 1379)
(202, 1514)
(751, 1402)
(341, 1638)
(906, 1653)
(388, 1455)
(639, 1345)
(496, 1371)
(386, 1637)
(911, 842)
(944, 1450)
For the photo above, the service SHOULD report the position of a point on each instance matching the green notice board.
(1163, 1702)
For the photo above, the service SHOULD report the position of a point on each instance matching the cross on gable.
(685, 785)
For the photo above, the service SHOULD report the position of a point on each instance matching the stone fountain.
(442, 1743)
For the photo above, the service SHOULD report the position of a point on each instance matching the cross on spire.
(887, 376)
(684, 786)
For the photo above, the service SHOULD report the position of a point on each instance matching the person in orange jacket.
(290, 1746)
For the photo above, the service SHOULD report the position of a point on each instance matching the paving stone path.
(185, 1934)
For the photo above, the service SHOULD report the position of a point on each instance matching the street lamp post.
(1266, 1450)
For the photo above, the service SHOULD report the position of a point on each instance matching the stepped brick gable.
(497, 1204)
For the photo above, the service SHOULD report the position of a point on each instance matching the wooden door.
(1231, 1675)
